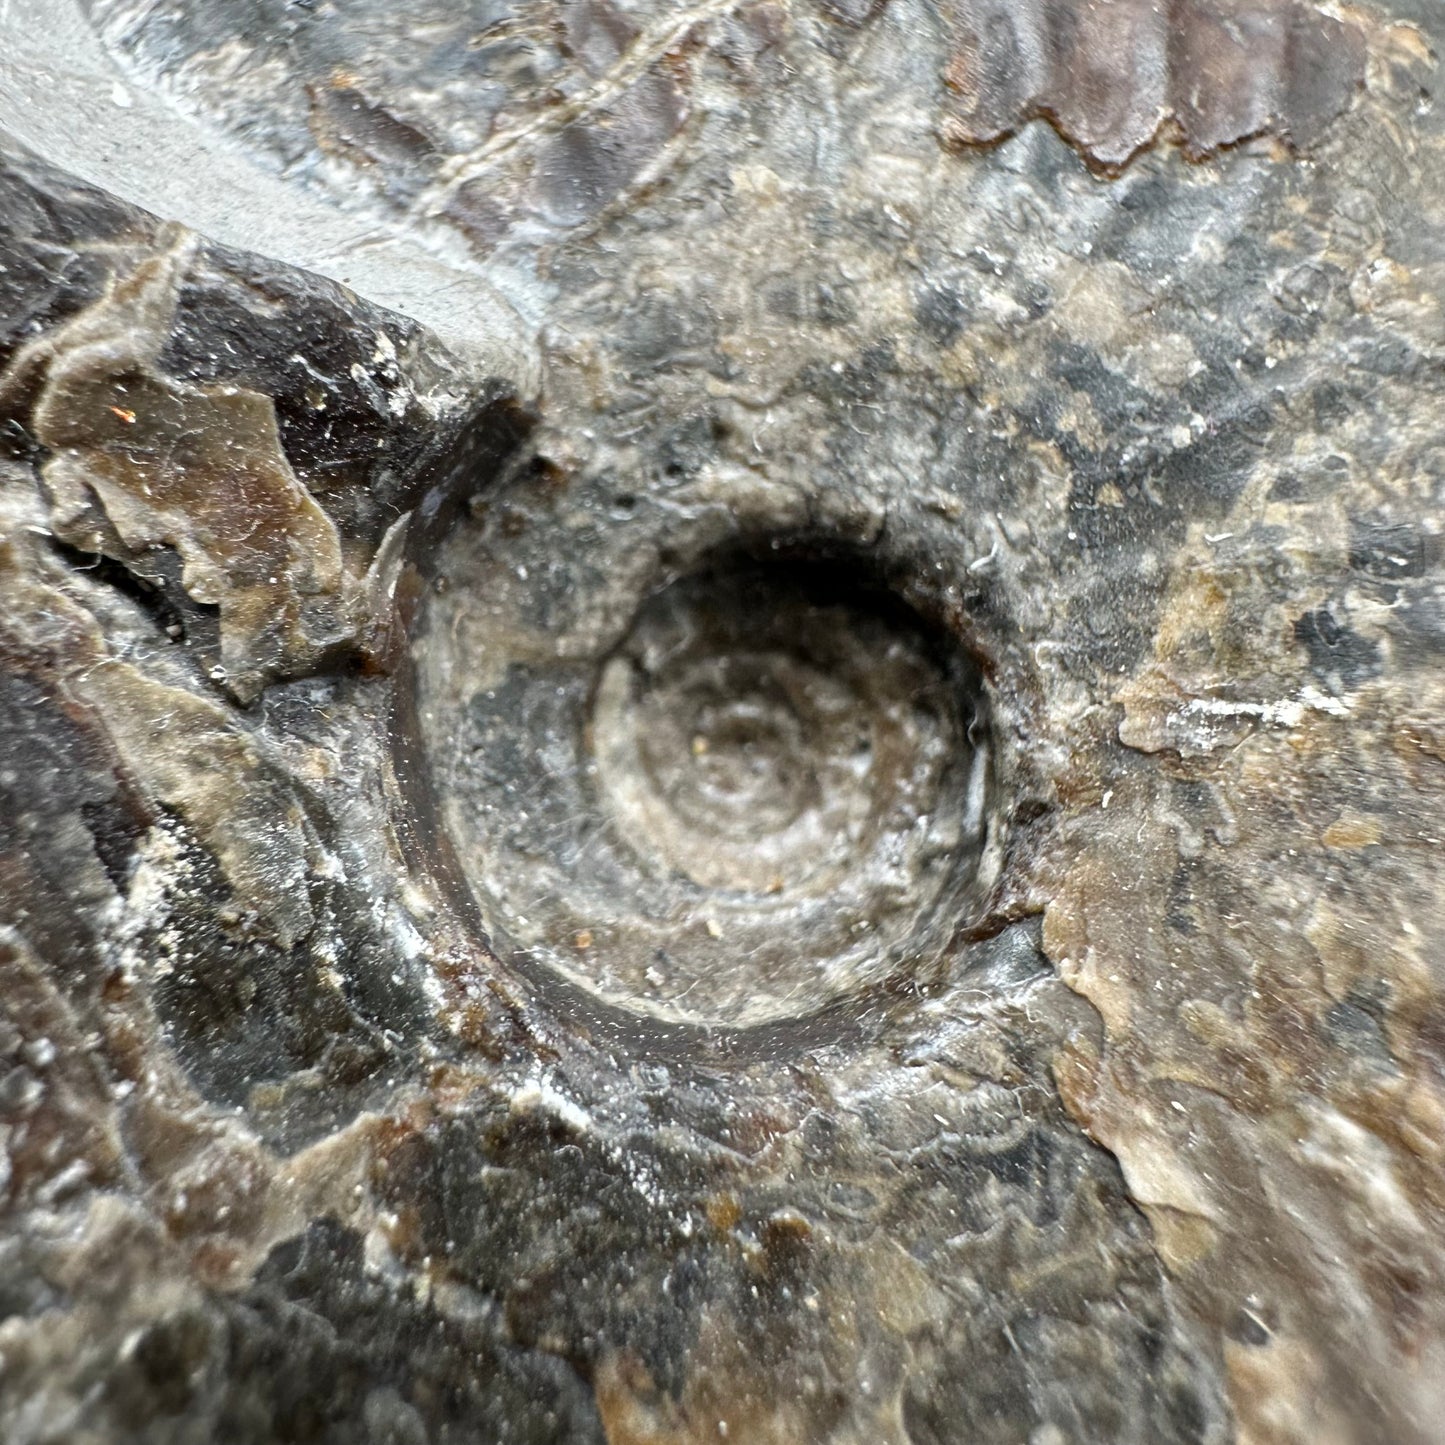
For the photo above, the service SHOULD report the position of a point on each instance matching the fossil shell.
(721, 721)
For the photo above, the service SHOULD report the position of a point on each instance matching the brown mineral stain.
(1350, 832)
(142, 461)
(191, 756)
(718, 1403)
(1274, 1389)
(61, 1118)
(723, 1212)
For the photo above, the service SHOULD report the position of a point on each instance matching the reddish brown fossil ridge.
(1113, 74)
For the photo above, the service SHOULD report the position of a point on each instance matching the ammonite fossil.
(722, 721)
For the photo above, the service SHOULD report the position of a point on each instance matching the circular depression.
(728, 797)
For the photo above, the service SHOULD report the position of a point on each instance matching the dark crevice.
(177, 622)
(115, 832)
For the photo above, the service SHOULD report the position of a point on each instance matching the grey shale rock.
(722, 722)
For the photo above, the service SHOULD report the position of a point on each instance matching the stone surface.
(855, 857)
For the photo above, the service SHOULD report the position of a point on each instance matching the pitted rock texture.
(1084, 363)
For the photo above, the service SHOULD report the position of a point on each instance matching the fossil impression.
(722, 721)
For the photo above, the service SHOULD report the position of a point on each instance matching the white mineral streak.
(58, 89)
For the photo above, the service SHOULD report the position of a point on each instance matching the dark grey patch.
(241, 1012)
(1417, 630)
(942, 313)
(1389, 551)
(686, 447)
(319, 1349)
(1247, 1328)
(1357, 1029)
(1338, 656)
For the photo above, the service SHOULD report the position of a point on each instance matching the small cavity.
(763, 791)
